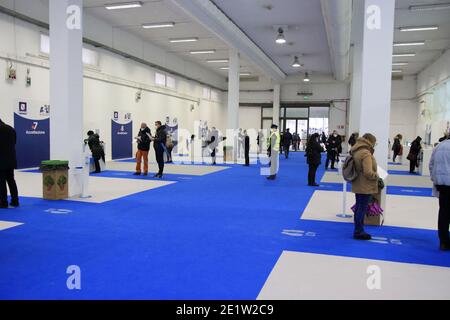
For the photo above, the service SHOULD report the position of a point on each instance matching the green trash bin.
(55, 179)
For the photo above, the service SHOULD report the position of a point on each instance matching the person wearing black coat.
(332, 150)
(396, 147)
(313, 155)
(159, 141)
(8, 162)
(353, 138)
(247, 148)
(287, 142)
(143, 144)
(93, 142)
(413, 156)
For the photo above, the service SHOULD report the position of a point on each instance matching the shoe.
(364, 236)
(271, 177)
(15, 204)
(145, 174)
(315, 185)
(444, 247)
(156, 176)
(4, 206)
(136, 174)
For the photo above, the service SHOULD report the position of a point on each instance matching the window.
(160, 79)
(206, 93)
(214, 95)
(170, 83)
(90, 57)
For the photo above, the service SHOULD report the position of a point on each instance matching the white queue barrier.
(344, 214)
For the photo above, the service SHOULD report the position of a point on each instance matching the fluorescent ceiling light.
(183, 40)
(400, 64)
(419, 28)
(306, 79)
(280, 38)
(397, 71)
(158, 25)
(396, 55)
(430, 7)
(124, 5)
(224, 68)
(404, 44)
(296, 63)
(217, 61)
(202, 51)
(245, 74)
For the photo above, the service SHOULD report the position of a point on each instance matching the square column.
(66, 86)
(276, 104)
(233, 101)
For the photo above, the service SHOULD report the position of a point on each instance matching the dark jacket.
(160, 138)
(352, 140)
(332, 143)
(396, 146)
(95, 146)
(8, 159)
(415, 148)
(144, 141)
(287, 139)
(313, 152)
(247, 143)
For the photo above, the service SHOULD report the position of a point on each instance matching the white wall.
(111, 87)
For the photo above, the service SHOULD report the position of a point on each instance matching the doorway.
(300, 126)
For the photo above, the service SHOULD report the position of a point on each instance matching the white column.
(355, 98)
(233, 100)
(66, 86)
(276, 104)
(376, 73)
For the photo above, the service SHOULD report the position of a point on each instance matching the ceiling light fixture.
(202, 51)
(124, 5)
(158, 25)
(419, 28)
(404, 44)
(296, 63)
(217, 61)
(430, 7)
(306, 79)
(397, 55)
(400, 64)
(245, 74)
(183, 40)
(280, 38)
(397, 71)
(224, 68)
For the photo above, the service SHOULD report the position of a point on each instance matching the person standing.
(169, 147)
(440, 175)
(159, 142)
(259, 141)
(323, 138)
(366, 183)
(287, 142)
(247, 148)
(143, 143)
(273, 145)
(413, 156)
(332, 146)
(397, 147)
(240, 143)
(313, 158)
(353, 138)
(8, 163)
(96, 148)
(213, 142)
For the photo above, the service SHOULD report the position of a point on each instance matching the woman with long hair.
(314, 158)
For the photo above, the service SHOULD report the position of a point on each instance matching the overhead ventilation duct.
(338, 23)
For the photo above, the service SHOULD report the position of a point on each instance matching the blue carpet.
(402, 173)
(213, 237)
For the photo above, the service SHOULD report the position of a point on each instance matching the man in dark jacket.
(332, 149)
(143, 141)
(287, 142)
(313, 155)
(247, 148)
(159, 141)
(414, 153)
(8, 163)
(96, 148)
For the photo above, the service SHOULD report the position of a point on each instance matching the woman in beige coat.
(366, 184)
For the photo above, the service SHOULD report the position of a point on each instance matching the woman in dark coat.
(97, 150)
(413, 156)
(397, 147)
(314, 158)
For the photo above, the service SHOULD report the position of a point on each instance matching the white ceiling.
(154, 11)
(306, 35)
(435, 41)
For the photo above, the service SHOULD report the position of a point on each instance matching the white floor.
(401, 211)
(169, 169)
(392, 180)
(305, 276)
(101, 189)
(7, 225)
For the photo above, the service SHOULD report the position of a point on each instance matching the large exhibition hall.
(259, 150)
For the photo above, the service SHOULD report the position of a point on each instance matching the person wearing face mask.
(313, 154)
(366, 184)
(273, 146)
(332, 149)
(159, 141)
(143, 141)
